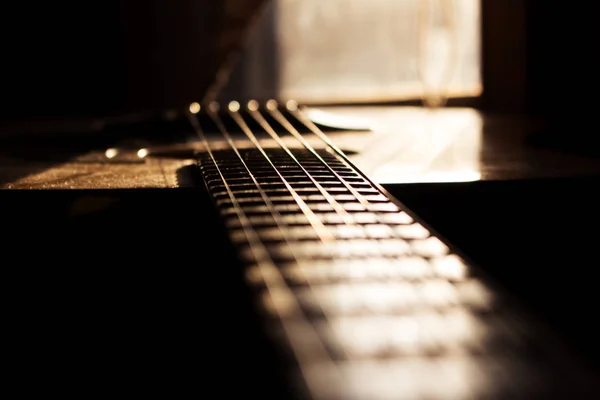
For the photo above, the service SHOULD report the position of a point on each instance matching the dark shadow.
(559, 71)
(189, 177)
(133, 291)
(538, 238)
(576, 139)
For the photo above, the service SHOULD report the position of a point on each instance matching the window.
(345, 51)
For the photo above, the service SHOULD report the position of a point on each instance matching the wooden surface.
(404, 145)
(454, 145)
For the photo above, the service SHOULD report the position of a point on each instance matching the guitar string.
(242, 215)
(234, 112)
(295, 111)
(273, 110)
(341, 156)
(316, 223)
(291, 338)
(212, 112)
(283, 227)
(339, 209)
(274, 281)
(559, 354)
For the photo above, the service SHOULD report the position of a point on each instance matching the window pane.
(319, 51)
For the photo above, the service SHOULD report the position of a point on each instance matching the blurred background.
(359, 51)
(68, 58)
(513, 57)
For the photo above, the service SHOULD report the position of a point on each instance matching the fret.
(412, 231)
(388, 298)
(333, 165)
(317, 198)
(364, 218)
(304, 344)
(368, 300)
(301, 193)
(378, 269)
(257, 221)
(298, 160)
(409, 268)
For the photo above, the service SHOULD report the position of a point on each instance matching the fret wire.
(246, 129)
(342, 157)
(272, 209)
(347, 218)
(281, 224)
(273, 279)
(294, 132)
(247, 227)
(297, 113)
(316, 223)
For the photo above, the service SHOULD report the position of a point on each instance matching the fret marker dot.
(111, 153)
(195, 108)
(142, 153)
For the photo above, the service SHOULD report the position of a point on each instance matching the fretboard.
(369, 301)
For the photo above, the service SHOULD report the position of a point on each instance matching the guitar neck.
(371, 303)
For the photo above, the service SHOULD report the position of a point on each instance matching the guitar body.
(189, 290)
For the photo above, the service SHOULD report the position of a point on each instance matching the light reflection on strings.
(310, 215)
(281, 297)
(271, 105)
(233, 108)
